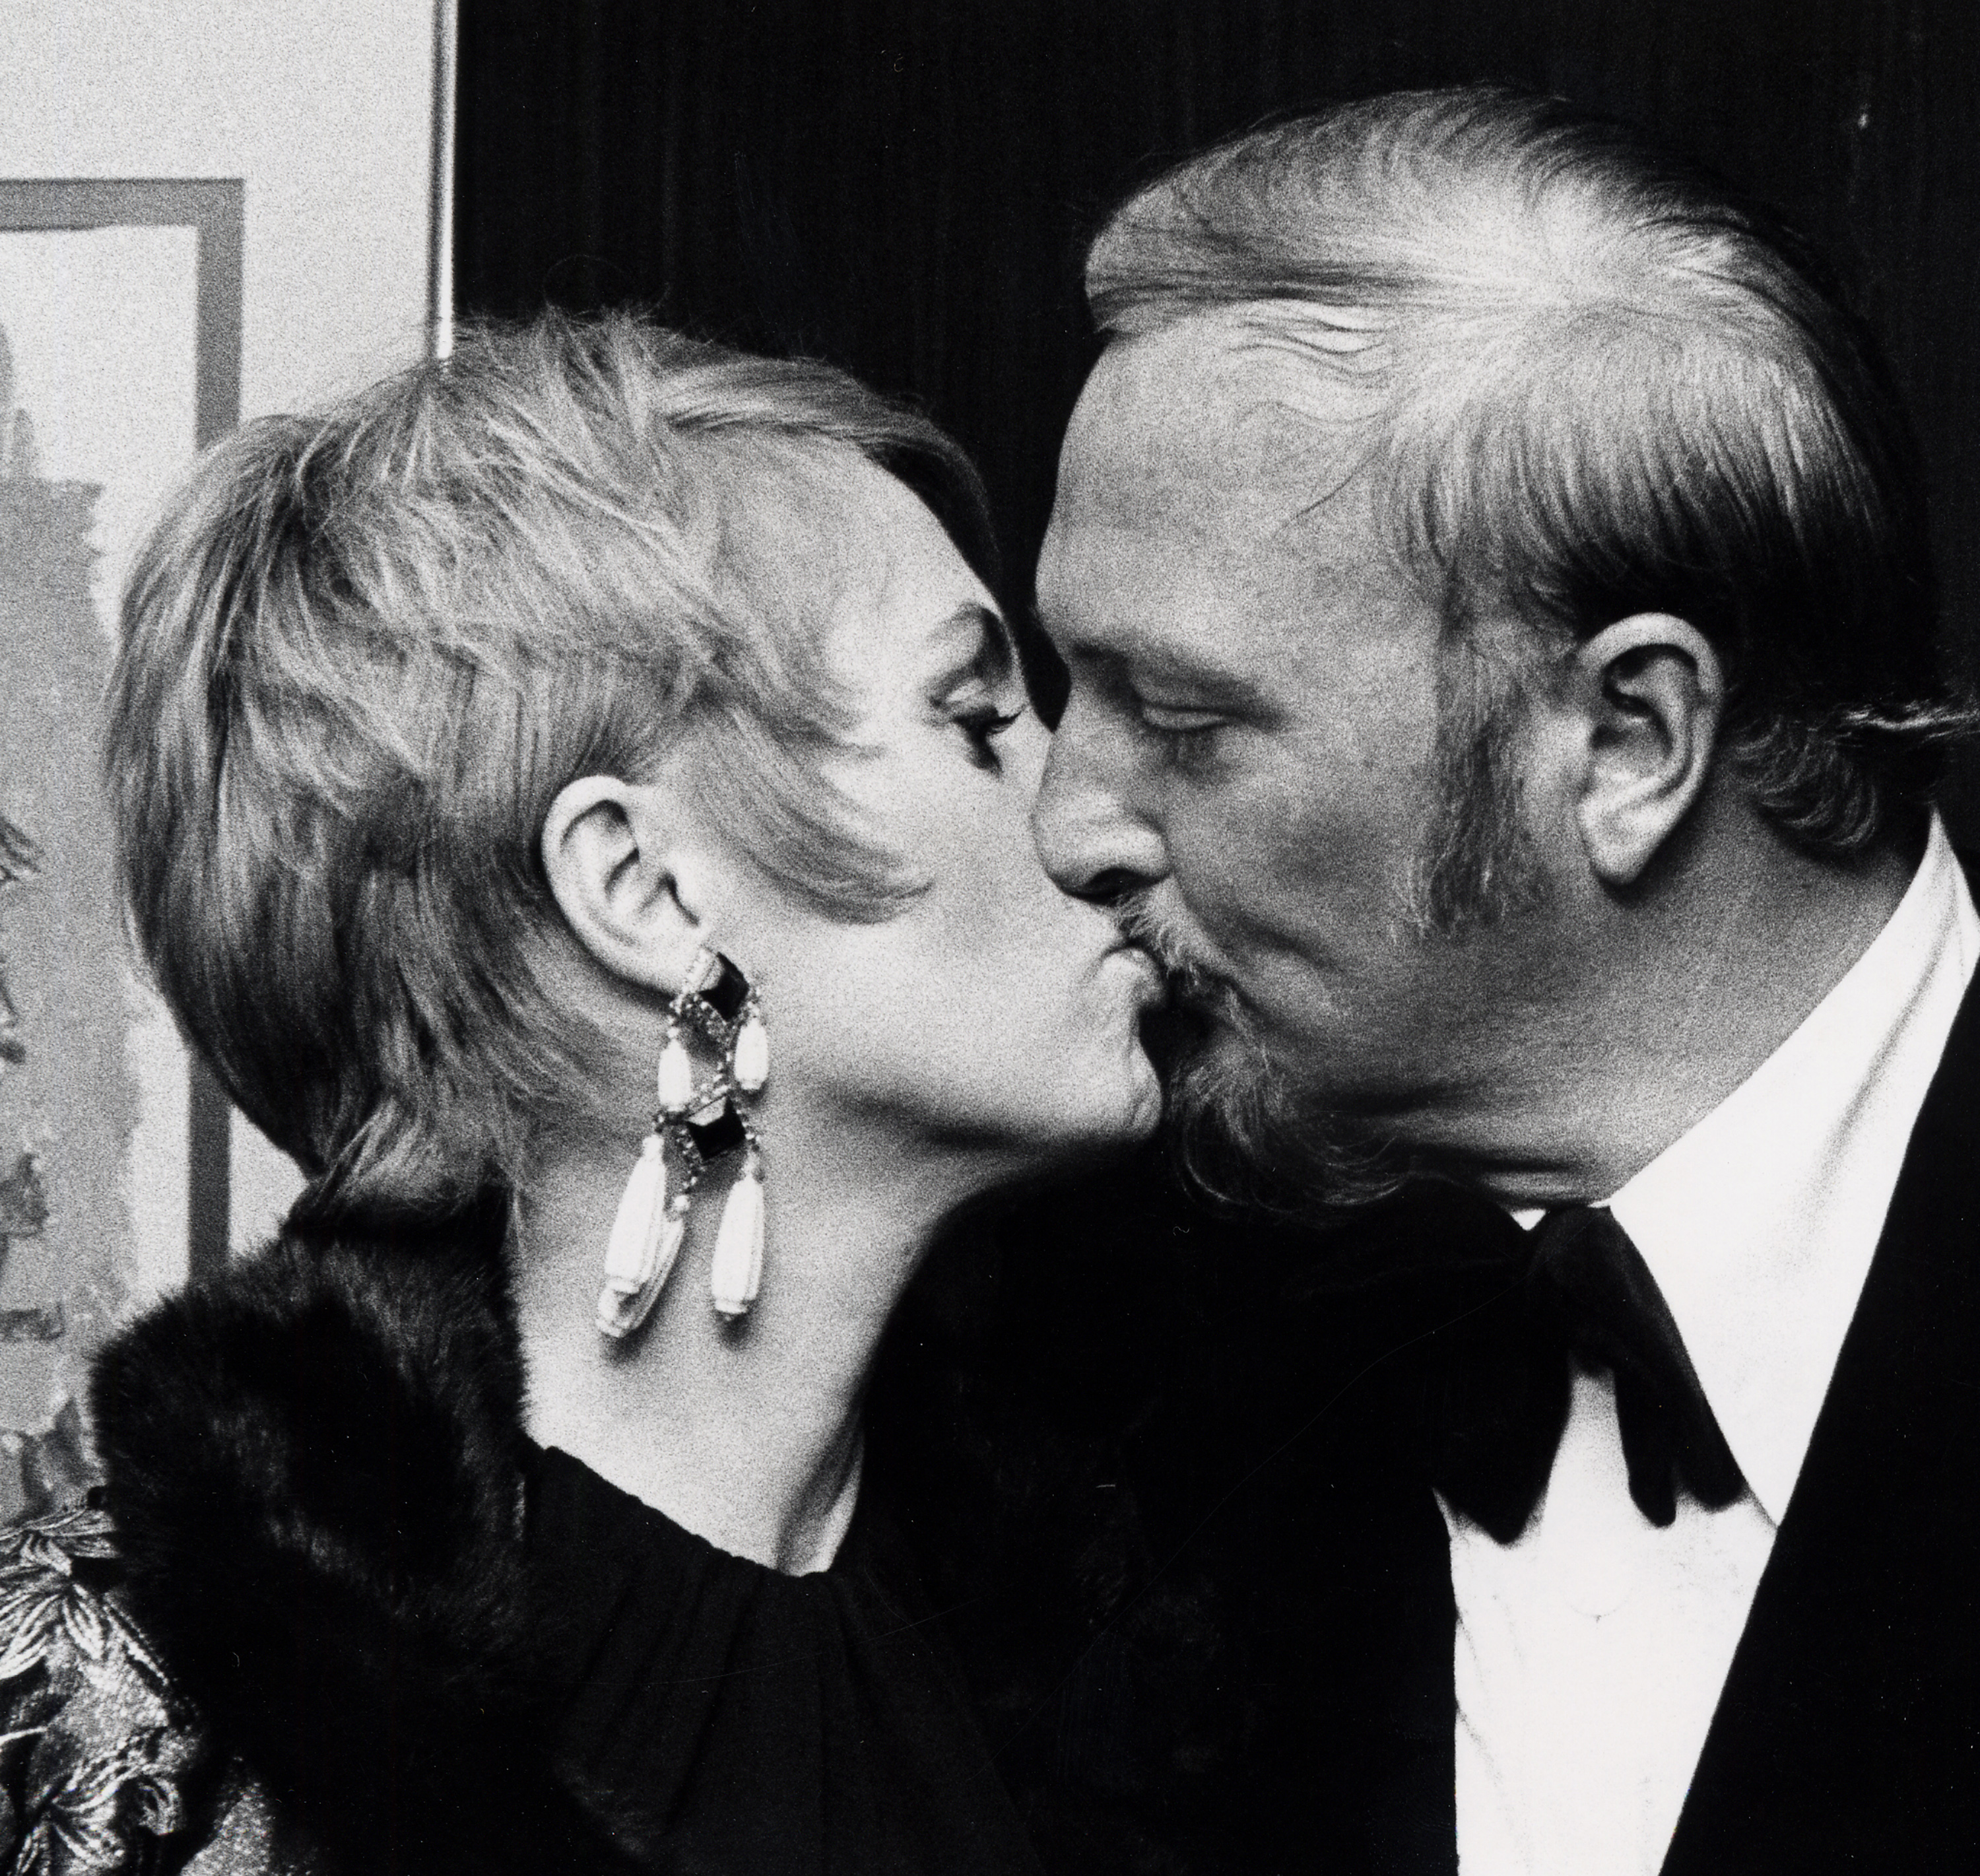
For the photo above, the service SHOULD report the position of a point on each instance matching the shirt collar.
(1760, 1222)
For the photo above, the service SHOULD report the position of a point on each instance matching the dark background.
(904, 186)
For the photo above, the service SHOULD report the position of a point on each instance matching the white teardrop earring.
(645, 1239)
(738, 1272)
(751, 1058)
(674, 1084)
(693, 1125)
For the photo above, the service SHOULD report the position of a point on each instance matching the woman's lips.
(1153, 985)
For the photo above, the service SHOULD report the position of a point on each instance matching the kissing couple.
(581, 799)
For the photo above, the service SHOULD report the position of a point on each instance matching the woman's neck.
(747, 1434)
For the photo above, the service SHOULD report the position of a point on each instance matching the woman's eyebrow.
(991, 656)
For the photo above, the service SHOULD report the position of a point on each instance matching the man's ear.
(1653, 693)
(608, 853)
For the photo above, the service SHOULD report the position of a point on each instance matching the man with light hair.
(1492, 572)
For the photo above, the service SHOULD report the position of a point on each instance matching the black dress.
(379, 1632)
(760, 1723)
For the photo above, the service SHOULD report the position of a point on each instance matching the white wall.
(324, 107)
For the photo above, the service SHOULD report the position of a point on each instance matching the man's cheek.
(1230, 882)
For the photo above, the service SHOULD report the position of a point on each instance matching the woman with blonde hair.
(575, 797)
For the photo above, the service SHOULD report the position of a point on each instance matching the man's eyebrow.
(1141, 665)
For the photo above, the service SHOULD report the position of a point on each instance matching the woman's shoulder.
(103, 1764)
(314, 1461)
(132, 1620)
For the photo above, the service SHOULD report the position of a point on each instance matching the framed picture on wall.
(120, 357)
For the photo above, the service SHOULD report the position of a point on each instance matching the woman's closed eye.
(983, 696)
(982, 722)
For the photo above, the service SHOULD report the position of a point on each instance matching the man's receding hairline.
(1617, 382)
(1570, 279)
(1250, 392)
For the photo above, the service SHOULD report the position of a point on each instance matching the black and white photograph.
(989, 937)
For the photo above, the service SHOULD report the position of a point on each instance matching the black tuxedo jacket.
(1204, 1598)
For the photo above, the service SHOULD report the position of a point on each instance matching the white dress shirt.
(1590, 1654)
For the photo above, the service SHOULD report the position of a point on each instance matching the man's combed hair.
(1601, 383)
(362, 653)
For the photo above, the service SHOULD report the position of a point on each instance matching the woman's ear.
(607, 848)
(1653, 694)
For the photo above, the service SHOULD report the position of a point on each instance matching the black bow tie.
(1501, 1379)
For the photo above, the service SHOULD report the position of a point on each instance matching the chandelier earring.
(699, 1123)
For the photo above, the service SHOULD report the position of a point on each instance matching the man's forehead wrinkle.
(1206, 440)
(1326, 473)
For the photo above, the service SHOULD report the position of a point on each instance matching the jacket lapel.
(1848, 1732)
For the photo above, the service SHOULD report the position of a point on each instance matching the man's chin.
(1247, 1135)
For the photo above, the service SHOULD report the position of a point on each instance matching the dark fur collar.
(315, 1466)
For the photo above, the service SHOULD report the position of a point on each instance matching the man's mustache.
(1245, 1132)
(1191, 984)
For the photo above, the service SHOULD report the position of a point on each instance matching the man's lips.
(1189, 986)
(1186, 983)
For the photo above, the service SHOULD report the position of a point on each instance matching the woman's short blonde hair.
(363, 651)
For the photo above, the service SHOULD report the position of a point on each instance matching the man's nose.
(1093, 845)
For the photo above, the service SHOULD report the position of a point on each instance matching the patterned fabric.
(102, 1766)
